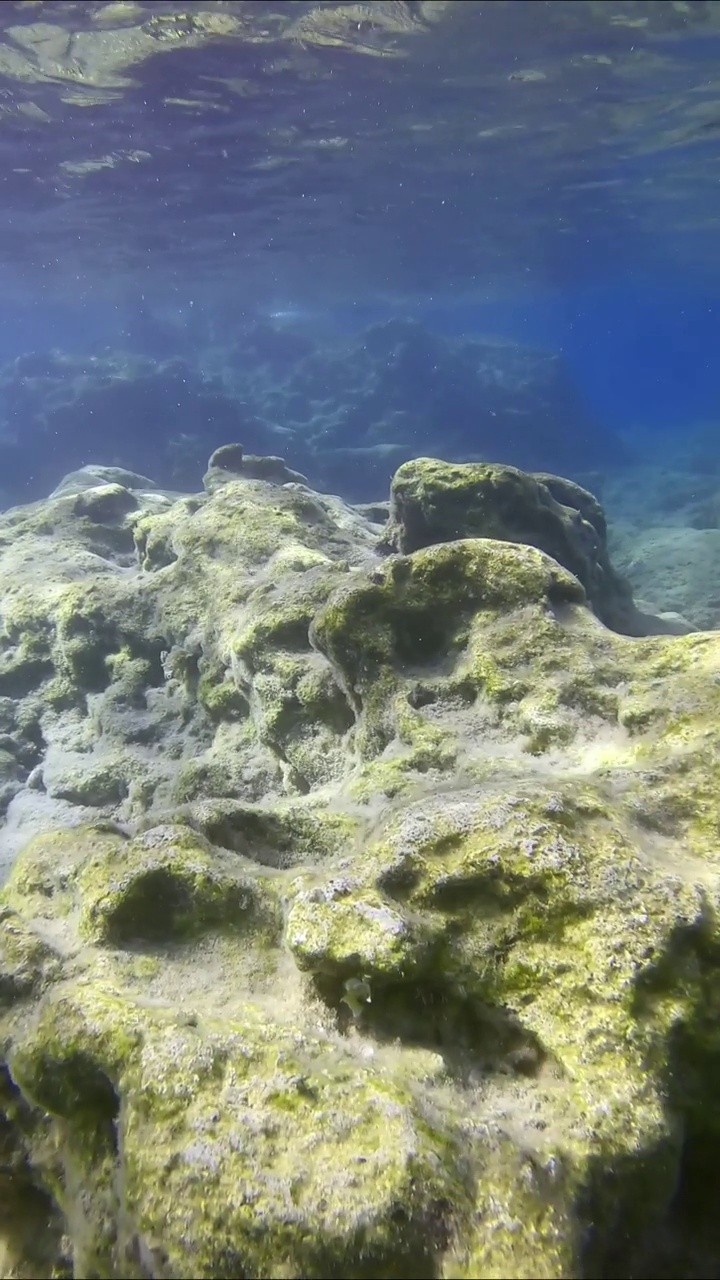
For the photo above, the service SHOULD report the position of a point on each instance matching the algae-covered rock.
(363, 911)
(247, 1148)
(105, 504)
(166, 885)
(125, 651)
(435, 501)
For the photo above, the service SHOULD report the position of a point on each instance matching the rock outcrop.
(435, 501)
(361, 909)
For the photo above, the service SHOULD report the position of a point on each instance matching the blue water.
(643, 354)
(540, 173)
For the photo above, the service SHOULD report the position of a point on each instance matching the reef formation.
(361, 886)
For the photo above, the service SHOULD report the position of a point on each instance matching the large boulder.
(361, 911)
(434, 501)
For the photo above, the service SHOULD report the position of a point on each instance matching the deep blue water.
(644, 354)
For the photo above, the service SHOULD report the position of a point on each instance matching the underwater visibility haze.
(359, 640)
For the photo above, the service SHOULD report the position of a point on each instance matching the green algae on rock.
(364, 919)
(434, 501)
(169, 885)
(226, 1169)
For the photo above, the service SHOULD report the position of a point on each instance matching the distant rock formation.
(400, 391)
(435, 502)
(346, 416)
(58, 413)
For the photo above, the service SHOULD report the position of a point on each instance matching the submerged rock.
(434, 501)
(361, 910)
(231, 460)
(93, 477)
(229, 457)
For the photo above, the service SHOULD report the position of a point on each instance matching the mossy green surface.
(417, 611)
(168, 885)
(210, 1180)
(393, 951)
(434, 502)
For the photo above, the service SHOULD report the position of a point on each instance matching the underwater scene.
(360, 640)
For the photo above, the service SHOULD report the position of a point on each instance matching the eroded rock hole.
(476, 1040)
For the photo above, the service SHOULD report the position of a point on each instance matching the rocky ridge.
(362, 886)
